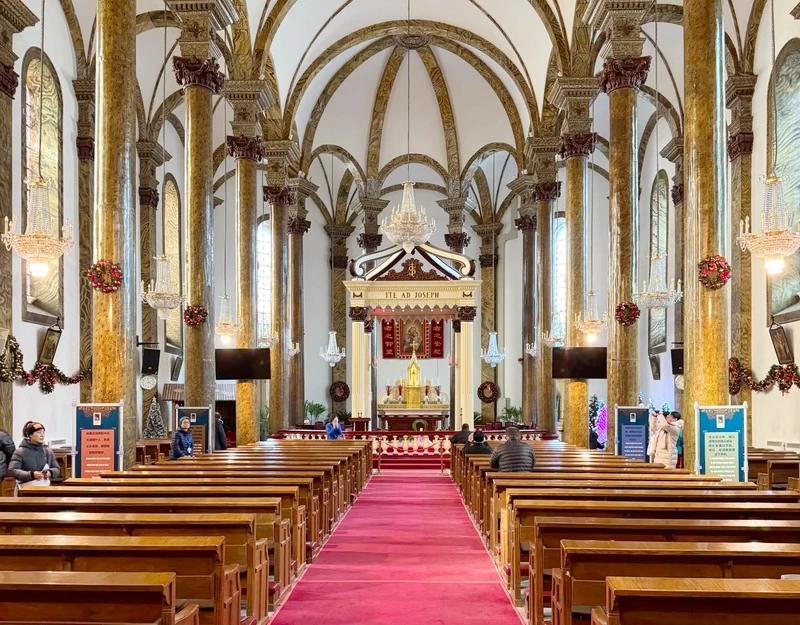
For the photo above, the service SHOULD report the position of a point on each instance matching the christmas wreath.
(49, 375)
(11, 365)
(714, 272)
(488, 392)
(339, 391)
(626, 313)
(105, 276)
(194, 315)
(785, 376)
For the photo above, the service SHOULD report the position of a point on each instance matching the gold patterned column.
(84, 94)
(488, 260)
(14, 18)
(705, 312)
(533, 402)
(739, 96)
(114, 314)
(198, 73)
(456, 239)
(339, 234)
(624, 72)
(248, 98)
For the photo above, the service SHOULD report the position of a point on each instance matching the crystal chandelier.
(40, 245)
(409, 226)
(161, 296)
(555, 336)
(294, 349)
(589, 323)
(225, 327)
(532, 349)
(269, 339)
(331, 354)
(493, 356)
(656, 294)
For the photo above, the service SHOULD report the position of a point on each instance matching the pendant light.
(226, 329)
(269, 338)
(492, 355)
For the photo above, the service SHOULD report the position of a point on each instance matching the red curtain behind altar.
(399, 337)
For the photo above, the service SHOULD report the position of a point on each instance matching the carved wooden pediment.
(412, 270)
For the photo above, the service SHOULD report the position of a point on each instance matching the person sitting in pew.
(513, 456)
(666, 447)
(32, 463)
(7, 449)
(182, 443)
(334, 430)
(462, 437)
(477, 445)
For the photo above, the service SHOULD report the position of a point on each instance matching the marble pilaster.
(488, 233)
(114, 314)
(466, 381)
(339, 233)
(705, 312)
(456, 208)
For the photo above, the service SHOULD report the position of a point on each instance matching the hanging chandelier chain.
(774, 167)
(41, 99)
(408, 95)
(164, 121)
(225, 213)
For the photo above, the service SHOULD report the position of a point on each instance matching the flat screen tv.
(579, 362)
(676, 355)
(242, 364)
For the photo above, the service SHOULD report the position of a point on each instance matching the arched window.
(264, 271)
(560, 269)
(42, 124)
(659, 233)
(173, 244)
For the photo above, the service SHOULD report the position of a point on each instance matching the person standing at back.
(220, 441)
(461, 437)
(32, 462)
(513, 456)
(7, 449)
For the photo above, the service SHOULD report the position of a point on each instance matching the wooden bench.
(580, 581)
(198, 562)
(667, 601)
(66, 598)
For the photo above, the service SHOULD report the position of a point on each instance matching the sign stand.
(721, 441)
(632, 433)
(98, 446)
(201, 425)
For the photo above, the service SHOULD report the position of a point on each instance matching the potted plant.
(344, 416)
(512, 413)
(314, 410)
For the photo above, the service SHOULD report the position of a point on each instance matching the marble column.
(533, 402)
(739, 96)
(114, 314)
(624, 72)
(466, 353)
(339, 233)
(14, 18)
(456, 239)
(455, 382)
(248, 99)
(706, 331)
(359, 365)
(84, 94)
(197, 72)
(297, 228)
(488, 260)
(151, 156)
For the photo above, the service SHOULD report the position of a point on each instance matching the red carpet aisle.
(407, 553)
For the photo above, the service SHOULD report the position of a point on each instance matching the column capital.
(621, 21)
(739, 90)
(84, 94)
(199, 19)
(369, 240)
(739, 144)
(193, 71)
(456, 325)
(467, 313)
(624, 73)
(148, 196)
(152, 155)
(303, 189)
(677, 194)
(673, 151)
(248, 99)
(277, 194)
(359, 314)
(246, 147)
(298, 225)
(370, 208)
(282, 158)
(526, 223)
(574, 96)
(547, 191)
(339, 233)
(796, 12)
(85, 147)
(14, 18)
(488, 261)
(488, 234)
(369, 326)
(522, 187)
(577, 144)
(457, 240)
(540, 154)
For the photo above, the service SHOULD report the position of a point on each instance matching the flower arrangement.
(488, 392)
(105, 276)
(714, 272)
(194, 315)
(627, 313)
(602, 425)
(785, 376)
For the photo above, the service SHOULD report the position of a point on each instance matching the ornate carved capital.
(298, 225)
(467, 313)
(488, 261)
(148, 196)
(249, 148)
(677, 195)
(577, 144)
(9, 80)
(738, 144)
(369, 326)
(547, 191)
(625, 73)
(526, 223)
(338, 261)
(85, 147)
(279, 195)
(359, 313)
(369, 241)
(456, 326)
(457, 240)
(190, 70)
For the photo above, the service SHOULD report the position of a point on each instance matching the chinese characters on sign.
(97, 452)
(722, 455)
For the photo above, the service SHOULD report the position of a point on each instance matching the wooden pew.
(666, 601)
(580, 581)
(198, 562)
(66, 598)
(239, 530)
(545, 552)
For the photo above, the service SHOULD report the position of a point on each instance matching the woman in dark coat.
(182, 443)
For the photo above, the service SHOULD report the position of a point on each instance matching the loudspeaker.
(150, 359)
(677, 361)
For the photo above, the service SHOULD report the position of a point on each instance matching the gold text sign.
(411, 295)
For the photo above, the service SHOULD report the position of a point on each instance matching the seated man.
(513, 456)
(478, 445)
(462, 437)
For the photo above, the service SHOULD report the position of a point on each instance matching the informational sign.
(721, 444)
(631, 431)
(200, 425)
(98, 439)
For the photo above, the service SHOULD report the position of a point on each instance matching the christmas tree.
(154, 426)
(602, 425)
(594, 409)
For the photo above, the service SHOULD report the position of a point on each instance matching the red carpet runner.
(407, 553)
